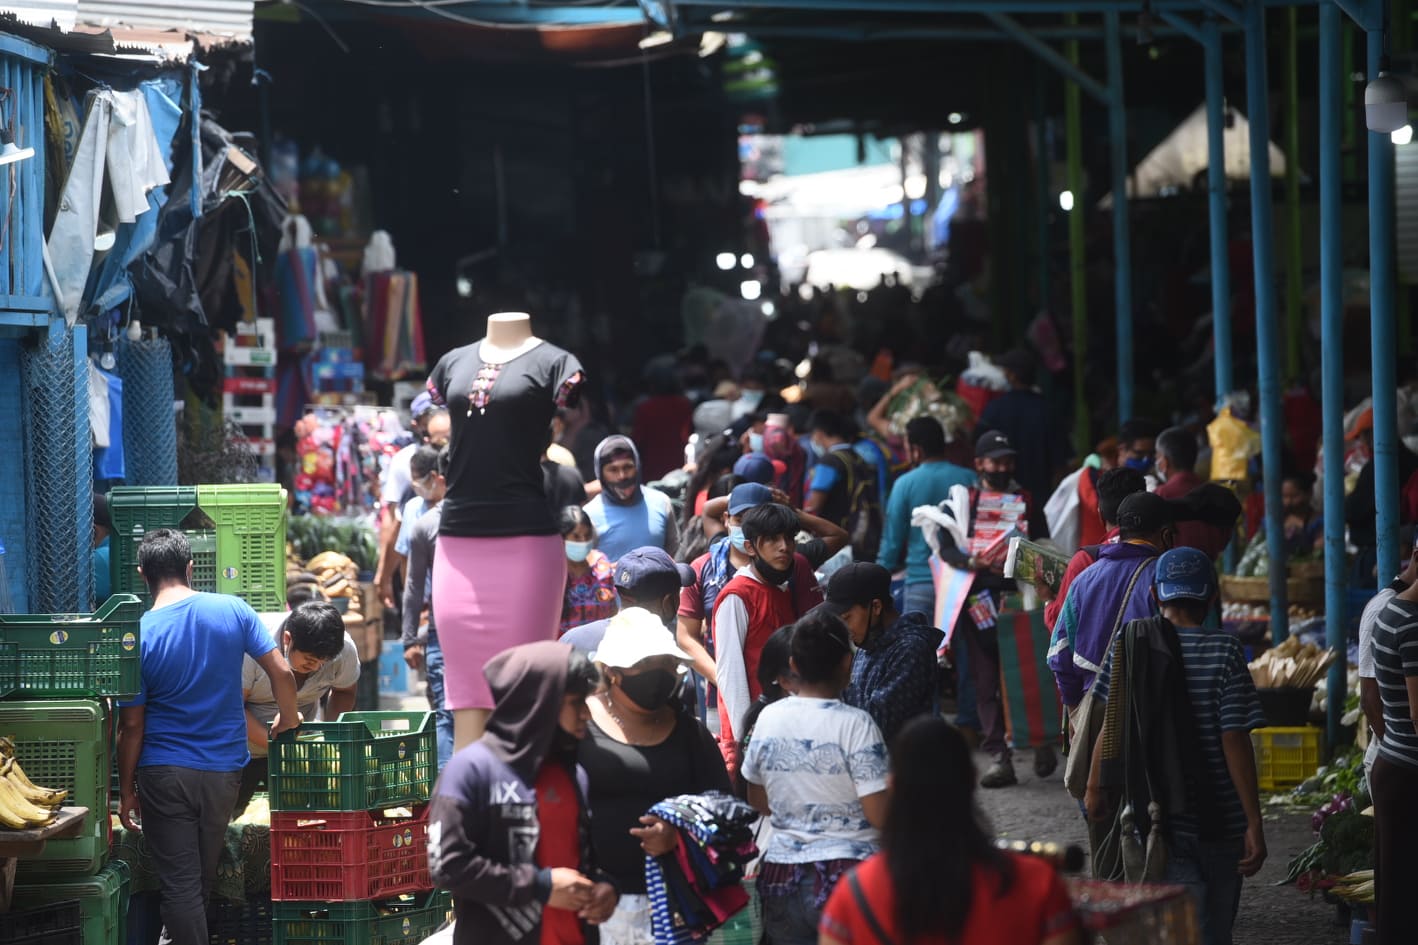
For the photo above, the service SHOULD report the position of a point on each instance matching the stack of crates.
(59, 675)
(349, 831)
(237, 532)
(249, 388)
(1286, 756)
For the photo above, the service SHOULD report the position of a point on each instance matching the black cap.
(1144, 513)
(101, 513)
(857, 585)
(994, 445)
(649, 572)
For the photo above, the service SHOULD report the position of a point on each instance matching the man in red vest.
(750, 608)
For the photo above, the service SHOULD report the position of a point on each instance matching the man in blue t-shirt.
(182, 739)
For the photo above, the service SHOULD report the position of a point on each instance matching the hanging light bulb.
(106, 360)
(135, 330)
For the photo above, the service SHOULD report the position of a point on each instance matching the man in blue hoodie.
(895, 669)
(626, 514)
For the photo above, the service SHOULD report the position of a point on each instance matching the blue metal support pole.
(1122, 244)
(1331, 78)
(1216, 206)
(1272, 422)
(1382, 278)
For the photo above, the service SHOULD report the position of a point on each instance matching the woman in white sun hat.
(643, 747)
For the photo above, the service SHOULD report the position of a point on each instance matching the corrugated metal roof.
(43, 13)
(228, 18)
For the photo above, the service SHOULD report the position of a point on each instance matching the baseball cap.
(754, 468)
(421, 404)
(633, 635)
(1184, 573)
(855, 585)
(994, 445)
(1144, 513)
(649, 572)
(748, 495)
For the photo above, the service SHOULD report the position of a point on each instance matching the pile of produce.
(1344, 831)
(1291, 665)
(308, 535)
(23, 804)
(334, 576)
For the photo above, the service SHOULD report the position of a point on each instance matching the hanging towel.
(110, 462)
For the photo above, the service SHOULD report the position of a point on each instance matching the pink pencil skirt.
(490, 594)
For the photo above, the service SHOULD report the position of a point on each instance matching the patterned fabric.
(816, 759)
(590, 596)
(1223, 698)
(243, 867)
(895, 680)
(783, 879)
(699, 887)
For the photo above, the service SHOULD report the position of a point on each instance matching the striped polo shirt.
(1223, 698)
(1395, 659)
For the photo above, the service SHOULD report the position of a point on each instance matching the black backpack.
(864, 515)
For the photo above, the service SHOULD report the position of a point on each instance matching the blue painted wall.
(12, 474)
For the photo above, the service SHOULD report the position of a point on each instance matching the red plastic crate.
(348, 856)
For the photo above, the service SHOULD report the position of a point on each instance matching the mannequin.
(500, 565)
(509, 335)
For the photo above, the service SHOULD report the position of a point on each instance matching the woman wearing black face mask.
(642, 747)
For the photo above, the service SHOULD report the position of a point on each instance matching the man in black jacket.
(509, 827)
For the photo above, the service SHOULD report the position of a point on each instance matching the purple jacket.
(1090, 612)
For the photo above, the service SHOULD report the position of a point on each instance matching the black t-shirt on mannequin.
(500, 414)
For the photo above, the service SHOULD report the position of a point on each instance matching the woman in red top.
(939, 877)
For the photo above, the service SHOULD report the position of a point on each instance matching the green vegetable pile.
(308, 535)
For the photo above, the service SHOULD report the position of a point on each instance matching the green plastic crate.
(250, 523)
(243, 553)
(103, 899)
(64, 744)
(405, 920)
(366, 760)
(135, 511)
(73, 654)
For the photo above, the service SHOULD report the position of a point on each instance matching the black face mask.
(998, 481)
(651, 689)
(564, 744)
(770, 574)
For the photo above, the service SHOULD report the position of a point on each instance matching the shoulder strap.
(866, 910)
(1122, 608)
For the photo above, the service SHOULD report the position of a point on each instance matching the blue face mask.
(737, 540)
(578, 551)
(751, 398)
(818, 449)
(1142, 464)
(755, 442)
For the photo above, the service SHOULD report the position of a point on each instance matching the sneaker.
(1045, 761)
(1001, 774)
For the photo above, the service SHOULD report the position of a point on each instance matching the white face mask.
(751, 398)
(578, 551)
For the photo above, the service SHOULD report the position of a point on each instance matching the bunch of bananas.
(22, 802)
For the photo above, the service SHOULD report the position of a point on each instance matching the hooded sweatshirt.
(646, 518)
(483, 826)
(894, 674)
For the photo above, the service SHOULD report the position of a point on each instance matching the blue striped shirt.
(1395, 659)
(1223, 698)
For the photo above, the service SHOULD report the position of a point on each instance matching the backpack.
(864, 515)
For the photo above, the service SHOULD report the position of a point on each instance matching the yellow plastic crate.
(1286, 756)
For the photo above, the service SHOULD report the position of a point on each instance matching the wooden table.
(16, 845)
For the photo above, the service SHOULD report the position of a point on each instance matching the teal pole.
(1382, 277)
(1216, 206)
(1331, 171)
(1122, 247)
(1268, 344)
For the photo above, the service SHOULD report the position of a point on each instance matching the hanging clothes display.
(110, 459)
(393, 334)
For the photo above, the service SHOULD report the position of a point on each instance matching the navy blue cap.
(754, 468)
(1184, 573)
(649, 572)
(749, 495)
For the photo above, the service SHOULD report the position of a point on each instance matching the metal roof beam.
(1368, 15)
(1056, 7)
(1224, 10)
(1050, 56)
